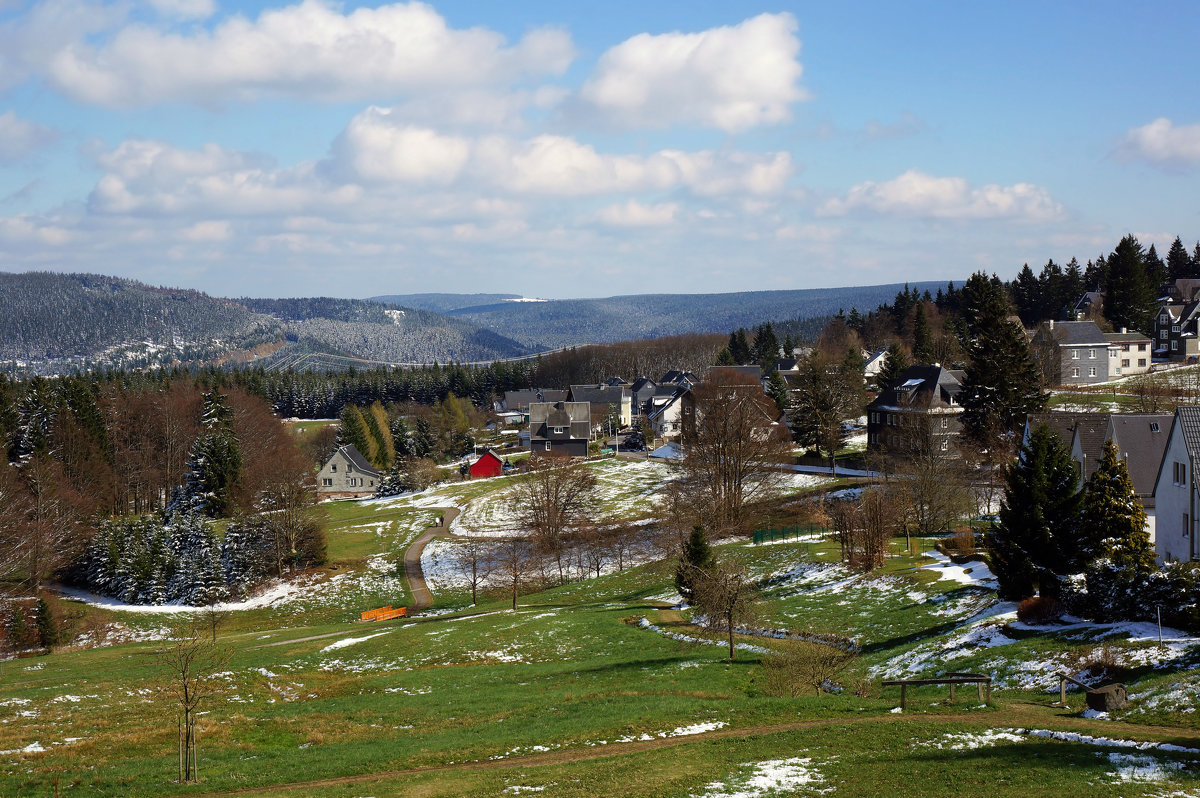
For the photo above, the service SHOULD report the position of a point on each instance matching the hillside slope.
(566, 322)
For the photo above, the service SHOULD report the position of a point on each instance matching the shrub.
(1039, 610)
(800, 664)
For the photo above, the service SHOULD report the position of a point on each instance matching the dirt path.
(1027, 715)
(421, 597)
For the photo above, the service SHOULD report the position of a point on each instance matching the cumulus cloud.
(310, 50)
(184, 9)
(1163, 143)
(732, 78)
(20, 137)
(915, 194)
(635, 214)
(379, 146)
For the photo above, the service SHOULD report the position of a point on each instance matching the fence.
(797, 532)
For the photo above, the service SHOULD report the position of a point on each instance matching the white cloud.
(25, 229)
(376, 148)
(635, 214)
(309, 50)
(20, 137)
(1163, 143)
(732, 78)
(915, 194)
(209, 231)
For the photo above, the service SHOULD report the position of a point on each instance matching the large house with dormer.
(560, 428)
(925, 401)
(347, 475)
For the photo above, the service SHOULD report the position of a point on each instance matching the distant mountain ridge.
(567, 322)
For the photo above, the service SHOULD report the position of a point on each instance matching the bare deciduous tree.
(473, 558)
(734, 450)
(796, 664)
(188, 665)
(551, 503)
(928, 478)
(515, 560)
(725, 593)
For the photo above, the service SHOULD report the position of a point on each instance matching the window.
(333, 467)
(1141, 347)
(1141, 361)
(1075, 372)
(1179, 475)
(1185, 525)
(547, 445)
(945, 445)
(1074, 354)
(1154, 426)
(1092, 371)
(1174, 328)
(1174, 346)
(945, 423)
(559, 430)
(1091, 354)
(1162, 333)
(327, 482)
(372, 484)
(1124, 362)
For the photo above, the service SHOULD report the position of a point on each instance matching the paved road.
(421, 597)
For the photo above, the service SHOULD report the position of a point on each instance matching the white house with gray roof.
(347, 475)
(1177, 493)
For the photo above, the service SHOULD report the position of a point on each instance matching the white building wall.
(1172, 539)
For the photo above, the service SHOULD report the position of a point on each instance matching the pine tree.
(1003, 383)
(1128, 293)
(47, 628)
(352, 431)
(1035, 540)
(777, 389)
(895, 362)
(1179, 265)
(922, 337)
(696, 555)
(1113, 521)
(740, 347)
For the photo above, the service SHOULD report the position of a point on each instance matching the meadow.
(606, 686)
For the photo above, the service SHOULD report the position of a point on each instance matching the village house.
(559, 428)
(521, 400)
(489, 464)
(347, 475)
(1071, 352)
(1175, 330)
(925, 401)
(1140, 438)
(1177, 492)
(606, 401)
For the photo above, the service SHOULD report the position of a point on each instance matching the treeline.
(629, 360)
(82, 450)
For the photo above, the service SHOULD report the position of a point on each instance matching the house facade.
(605, 400)
(926, 400)
(1177, 493)
(1129, 353)
(347, 475)
(1175, 330)
(1071, 352)
(489, 464)
(559, 428)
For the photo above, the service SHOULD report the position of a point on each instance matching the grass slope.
(570, 695)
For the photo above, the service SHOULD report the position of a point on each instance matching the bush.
(1038, 610)
(800, 664)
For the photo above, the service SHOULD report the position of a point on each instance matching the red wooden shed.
(488, 465)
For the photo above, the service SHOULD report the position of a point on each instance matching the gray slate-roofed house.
(521, 400)
(1071, 352)
(604, 399)
(639, 395)
(924, 398)
(1175, 330)
(1177, 493)
(1140, 438)
(559, 428)
(347, 475)
(1129, 353)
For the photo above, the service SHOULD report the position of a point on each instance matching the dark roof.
(515, 399)
(922, 387)
(356, 457)
(1188, 418)
(785, 364)
(488, 453)
(748, 375)
(1063, 424)
(640, 383)
(1068, 333)
(1127, 338)
(599, 394)
(1141, 440)
(1090, 435)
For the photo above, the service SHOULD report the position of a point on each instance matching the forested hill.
(444, 303)
(54, 323)
(371, 331)
(565, 322)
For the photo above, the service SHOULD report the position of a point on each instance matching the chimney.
(1051, 324)
(1124, 330)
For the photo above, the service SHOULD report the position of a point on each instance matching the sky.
(568, 150)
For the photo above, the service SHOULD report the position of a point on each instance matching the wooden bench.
(383, 613)
(952, 679)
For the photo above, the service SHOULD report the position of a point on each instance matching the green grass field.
(572, 695)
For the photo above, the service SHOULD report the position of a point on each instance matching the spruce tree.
(696, 555)
(1003, 383)
(352, 431)
(47, 628)
(1113, 521)
(1179, 265)
(922, 337)
(1036, 540)
(1156, 270)
(777, 389)
(895, 362)
(1128, 293)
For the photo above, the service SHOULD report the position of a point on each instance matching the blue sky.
(558, 150)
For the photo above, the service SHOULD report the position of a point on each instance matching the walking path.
(421, 597)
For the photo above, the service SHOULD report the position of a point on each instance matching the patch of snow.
(770, 777)
(1141, 768)
(972, 573)
(349, 641)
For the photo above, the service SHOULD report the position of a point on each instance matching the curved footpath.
(421, 597)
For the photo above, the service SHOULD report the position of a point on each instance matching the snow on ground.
(770, 777)
(645, 624)
(349, 641)
(964, 741)
(973, 573)
(275, 593)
